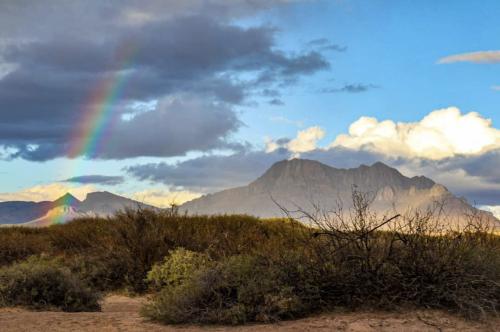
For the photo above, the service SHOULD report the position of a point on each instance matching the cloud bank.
(493, 209)
(441, 134)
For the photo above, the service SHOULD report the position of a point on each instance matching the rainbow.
(98, 116)
(98, 113)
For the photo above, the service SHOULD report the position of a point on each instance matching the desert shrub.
(100, 271)
(127, 245)
(456, 271)
(80, 236)
(176, 268)
(417, 261)
(139, 240)
(236, 290)
(42, 284)
(117, 252)
(18, 243)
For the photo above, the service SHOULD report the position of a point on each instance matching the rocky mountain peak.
(305, 183)
(294, 167)
(66, 200)
(286, 173)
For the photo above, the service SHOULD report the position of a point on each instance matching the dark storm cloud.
(97, 179)
(174, 127)
(176, 49)
(26, 18)
(351, 88)
(177, 125)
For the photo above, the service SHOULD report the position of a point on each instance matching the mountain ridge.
(295, 183)
(306, 184)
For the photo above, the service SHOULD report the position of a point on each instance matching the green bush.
(233, 291)
(99, 270)
(42, 284)
(176, 268)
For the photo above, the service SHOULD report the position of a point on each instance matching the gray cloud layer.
(178, 49)
(96, 179)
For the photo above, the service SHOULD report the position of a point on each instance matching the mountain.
(63, 209)
(17, 212)
(300, 183)
(105, 203)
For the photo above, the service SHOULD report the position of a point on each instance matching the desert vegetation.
(236, 269)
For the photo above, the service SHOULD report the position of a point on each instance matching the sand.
(121, 313)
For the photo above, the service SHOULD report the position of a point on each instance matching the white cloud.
(441, 134)
(47, 192)
(474, 57)
(305, 141)
(495, 209)
(164, 198)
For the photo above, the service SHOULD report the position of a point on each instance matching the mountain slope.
(17, 212)
(64, 209)
(58, 215)
(301, 183)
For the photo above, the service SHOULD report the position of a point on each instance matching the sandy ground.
(120, 313)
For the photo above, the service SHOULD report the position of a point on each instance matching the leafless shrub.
(417, 258)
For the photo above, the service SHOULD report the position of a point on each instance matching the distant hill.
(302, 183)
(63, 209)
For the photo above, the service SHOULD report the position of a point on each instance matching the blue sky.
(392, 49)
(394, 45)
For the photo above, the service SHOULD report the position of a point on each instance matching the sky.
(163, 101)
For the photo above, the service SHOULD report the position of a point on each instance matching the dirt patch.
(120, 313)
